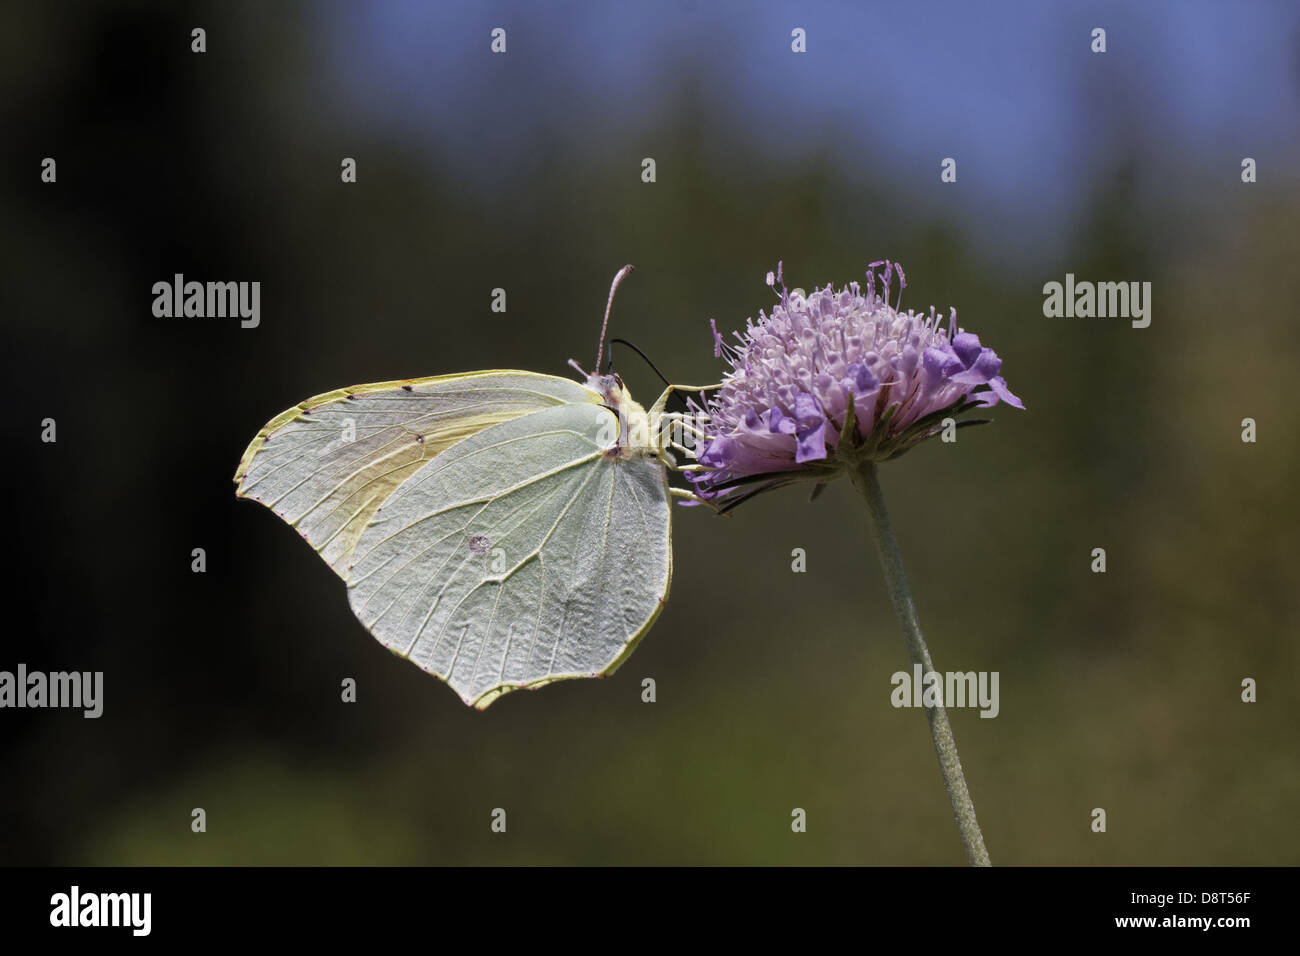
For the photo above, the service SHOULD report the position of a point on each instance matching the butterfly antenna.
(600, 349)
(646, 358)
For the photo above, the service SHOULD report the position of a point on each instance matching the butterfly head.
(634, 427)
(609, 387)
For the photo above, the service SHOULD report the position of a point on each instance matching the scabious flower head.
(833, 378)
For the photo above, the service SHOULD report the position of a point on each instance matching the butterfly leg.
(673, 430)
(689, 453)
(662, 402)
(684, 423)
(691, 496)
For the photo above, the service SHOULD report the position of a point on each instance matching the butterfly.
(500, 529)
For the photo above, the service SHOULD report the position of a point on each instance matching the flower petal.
(812, 443)
(967, 347)
(779, 423)
(999, 386)
(860, 381)
(717, 452)
(985, 367)
(807, 412)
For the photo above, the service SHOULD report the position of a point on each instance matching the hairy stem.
(867, 482)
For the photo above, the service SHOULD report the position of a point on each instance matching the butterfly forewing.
(326, 465)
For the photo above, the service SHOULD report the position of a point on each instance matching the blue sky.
(1011, 90)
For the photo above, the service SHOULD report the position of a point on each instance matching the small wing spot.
(420, 439)
(479, 544)
(352, 398)
(406, 388)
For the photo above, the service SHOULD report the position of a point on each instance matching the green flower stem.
(867, 482)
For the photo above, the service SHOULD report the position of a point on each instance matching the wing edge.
(295, 413)
(493, 694)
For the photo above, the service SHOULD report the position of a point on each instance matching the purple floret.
(783, 405)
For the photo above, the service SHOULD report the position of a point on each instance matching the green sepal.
(849, 441)
(877, 436)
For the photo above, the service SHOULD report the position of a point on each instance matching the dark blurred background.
(523, 171)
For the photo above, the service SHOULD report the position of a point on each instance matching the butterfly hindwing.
(522, 555)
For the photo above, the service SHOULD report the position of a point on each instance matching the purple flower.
(834, 378)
